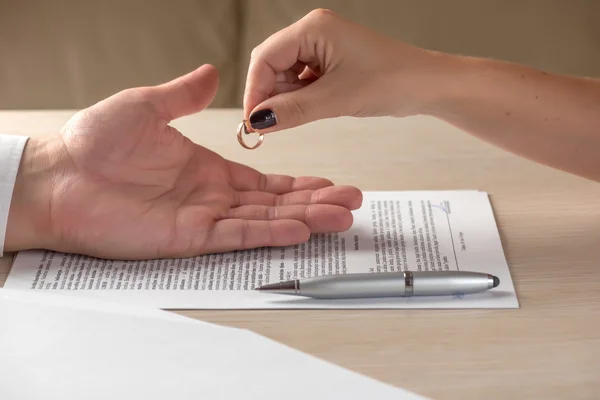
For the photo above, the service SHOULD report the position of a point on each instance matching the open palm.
(134, 187)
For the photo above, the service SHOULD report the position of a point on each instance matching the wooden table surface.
(550, 228)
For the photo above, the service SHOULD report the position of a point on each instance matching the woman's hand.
(324, 66)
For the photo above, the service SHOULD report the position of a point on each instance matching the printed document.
(392, 231)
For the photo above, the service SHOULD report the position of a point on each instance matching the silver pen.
(386, 284)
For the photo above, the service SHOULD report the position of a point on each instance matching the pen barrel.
(443, 283)
(395, 284)
(353, 286)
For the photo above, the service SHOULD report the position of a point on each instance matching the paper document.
(52, 348)
(392, 231)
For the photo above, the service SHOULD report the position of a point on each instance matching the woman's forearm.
(551, 119)
(324, 66)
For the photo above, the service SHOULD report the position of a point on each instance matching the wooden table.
(550, 227)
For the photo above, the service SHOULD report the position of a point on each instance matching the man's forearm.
(551, 119)
(11, 152)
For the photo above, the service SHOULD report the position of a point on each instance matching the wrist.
(29, 223)
(454, 86)
(433, 83)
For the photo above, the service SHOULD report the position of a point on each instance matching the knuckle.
(322, 14)
(321, 20)
(296, 107)
(271, 213)
(255, 53)
(262, 182)
(307, 214)
(281, 201)
(245, 234)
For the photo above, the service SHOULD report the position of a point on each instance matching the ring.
(243, 127)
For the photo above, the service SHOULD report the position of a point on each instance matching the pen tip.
(496, 281)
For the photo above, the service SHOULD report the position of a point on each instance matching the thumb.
(287, 110)
(186, 94)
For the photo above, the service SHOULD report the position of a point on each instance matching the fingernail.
(263, 119)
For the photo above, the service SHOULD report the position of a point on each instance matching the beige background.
(72, 53)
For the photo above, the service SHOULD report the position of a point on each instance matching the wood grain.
(549, 223)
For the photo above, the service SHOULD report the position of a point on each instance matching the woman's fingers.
(325, 66)
(284, 85)
(276, 55)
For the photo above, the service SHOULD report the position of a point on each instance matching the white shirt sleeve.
(11, 151)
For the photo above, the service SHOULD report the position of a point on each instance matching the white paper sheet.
(57, 348)
(392, 231)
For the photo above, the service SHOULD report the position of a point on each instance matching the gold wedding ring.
(243, 127)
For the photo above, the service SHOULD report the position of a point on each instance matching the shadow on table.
(492, 299)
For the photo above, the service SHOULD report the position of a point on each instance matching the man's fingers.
(244, 178)
(344, 196)
(239, 234)
(280, 184)
(320, 218)
(271, 199)
(255, 188)
(186, 94)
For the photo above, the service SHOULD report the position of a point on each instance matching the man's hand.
(119, 182)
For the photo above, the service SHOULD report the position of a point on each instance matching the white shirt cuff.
(11, 151)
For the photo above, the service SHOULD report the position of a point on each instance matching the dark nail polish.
(263, 119)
